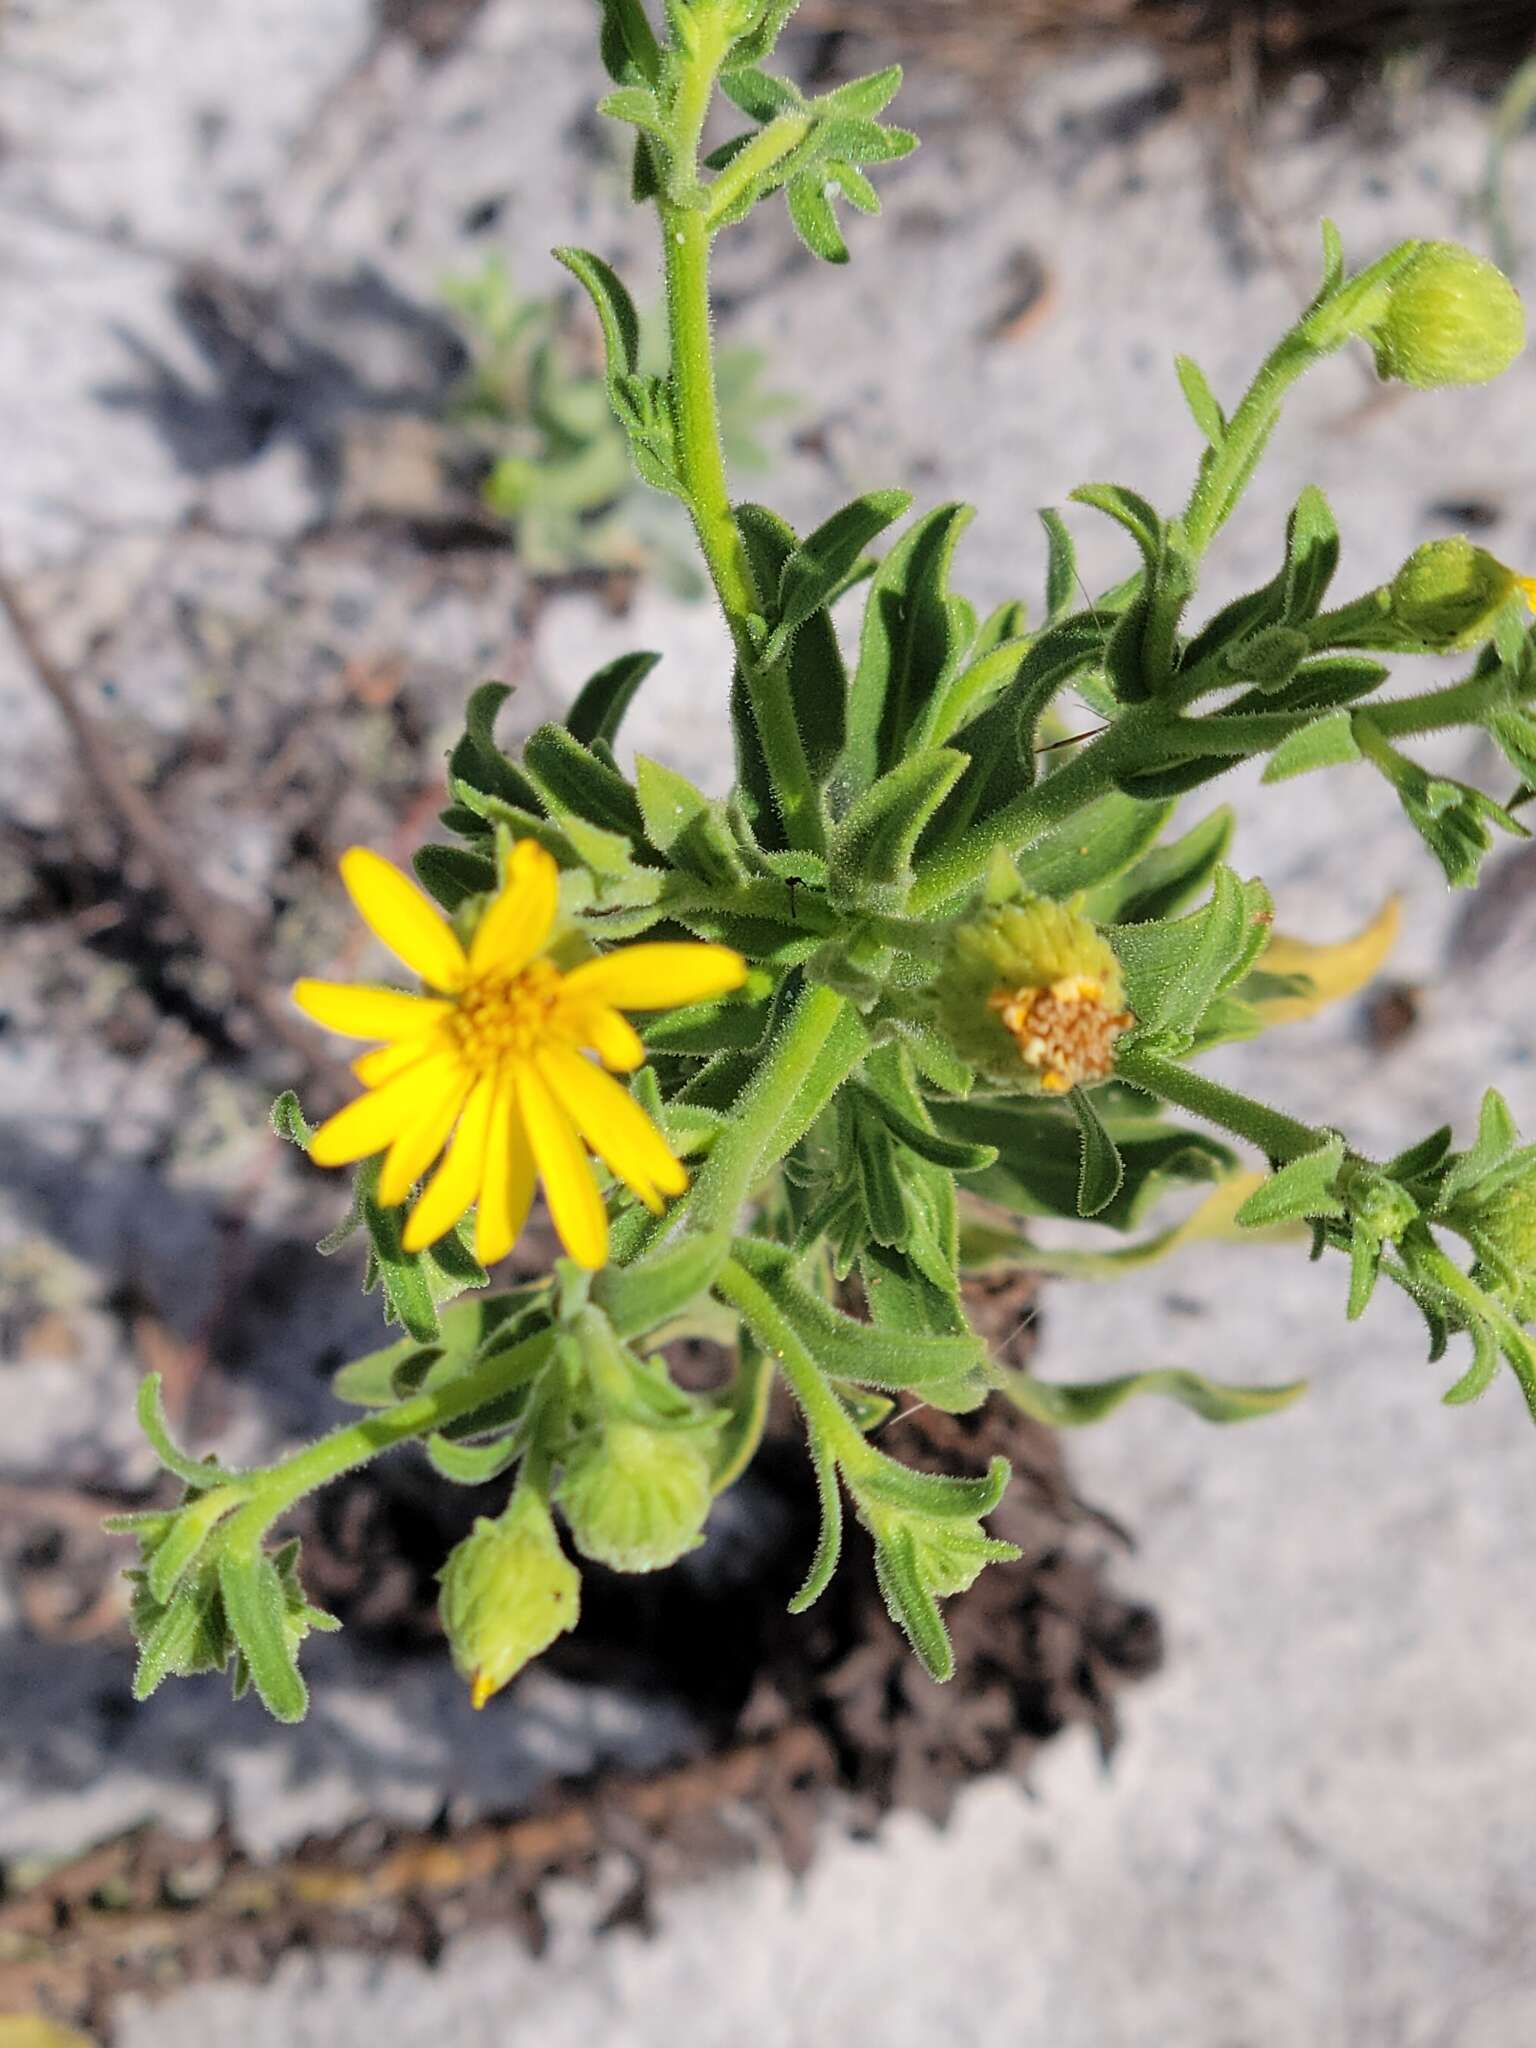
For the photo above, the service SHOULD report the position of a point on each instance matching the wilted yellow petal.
(506, 1192)
(518, 922)
(456, 1182)
(574, 1201)
(414, 1150)
(376, 1119)
(1334, 971)
(660, 976)
(612, 1037)
(402, 918)
(614, 1125)
(367, 1012)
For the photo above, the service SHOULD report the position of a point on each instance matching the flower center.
(496, 1019)
(1066, 1032)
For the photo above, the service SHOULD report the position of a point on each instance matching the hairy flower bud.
(636, 1497)
(1449, 592)
(1031, 996)
(1500, 1222)
(508, 1590)
(1450, 318)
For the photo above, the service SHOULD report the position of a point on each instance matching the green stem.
(272, 1492)
(766, 149)
(952, 870)
(701, 467)
(1464, 703)
(1225, 469)
(824, 1413)
(739, 1156)
(1278, 1136)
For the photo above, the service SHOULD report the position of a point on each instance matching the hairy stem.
(275, 1490)
(1280, 1137)
(1225, 469)
(740, 1155)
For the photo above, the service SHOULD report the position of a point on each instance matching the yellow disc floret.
(1032, 997)
(493, 1063)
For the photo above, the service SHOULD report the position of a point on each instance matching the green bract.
(986, 954)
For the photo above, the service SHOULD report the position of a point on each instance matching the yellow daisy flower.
(491, 1063)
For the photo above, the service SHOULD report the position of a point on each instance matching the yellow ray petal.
(614, 1125)
(660, 976)
(367, 1012)
(398, 915)
(506, 1193)
(574, 1201)
(457, 1181)
(518, 922)
(1527, 586)
(374, 1068)
(378, 1118)
(612, 1037)
(414, 1150)
(1332, 972)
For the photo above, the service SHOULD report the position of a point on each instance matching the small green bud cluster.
(636, 1497)
(1449, 592)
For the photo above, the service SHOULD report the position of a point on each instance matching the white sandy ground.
(1320, 1831)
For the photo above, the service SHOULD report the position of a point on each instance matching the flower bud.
(508, 1590)
(636, 1497)
(1450, 318)
(1500, 1222)
(1449, 592)
(1031, 997)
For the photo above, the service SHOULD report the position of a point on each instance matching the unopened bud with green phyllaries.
(1499, 1218)
(1449, 592)
(636, 1497)
(1031, 996)
(508, 1590)
(1449, 317)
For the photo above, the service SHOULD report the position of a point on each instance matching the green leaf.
(1201, 400)
(744, 1408)
(1312, 555)
(641, 1297)
(615, 309)
(574, 783)
(466, 1326)
(820, 565)
(1174, 972)
(629, 47)
(953, 1154)
(1333, 260)
(1101, 1173)
(814, 221)
(931, 1494)
(1161, 883)
(605, 697)
(686, 825)
(199, 1473)
(1096, 843)
(184, 1638)
(829, 1543)
(288, 1120)
(759, 41)
(869, 858)
(1497, 1137)
(478, 761)
(451, 875)
(257, 1612)
(1327, 743)
(1306, 1188)
(1130, 510)
(910, 1604)
(907, 647)
(1070, 1407)
(471, 1464)
(1060, 568)
(189, 1530)
(818, 683)
(855, 1351)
